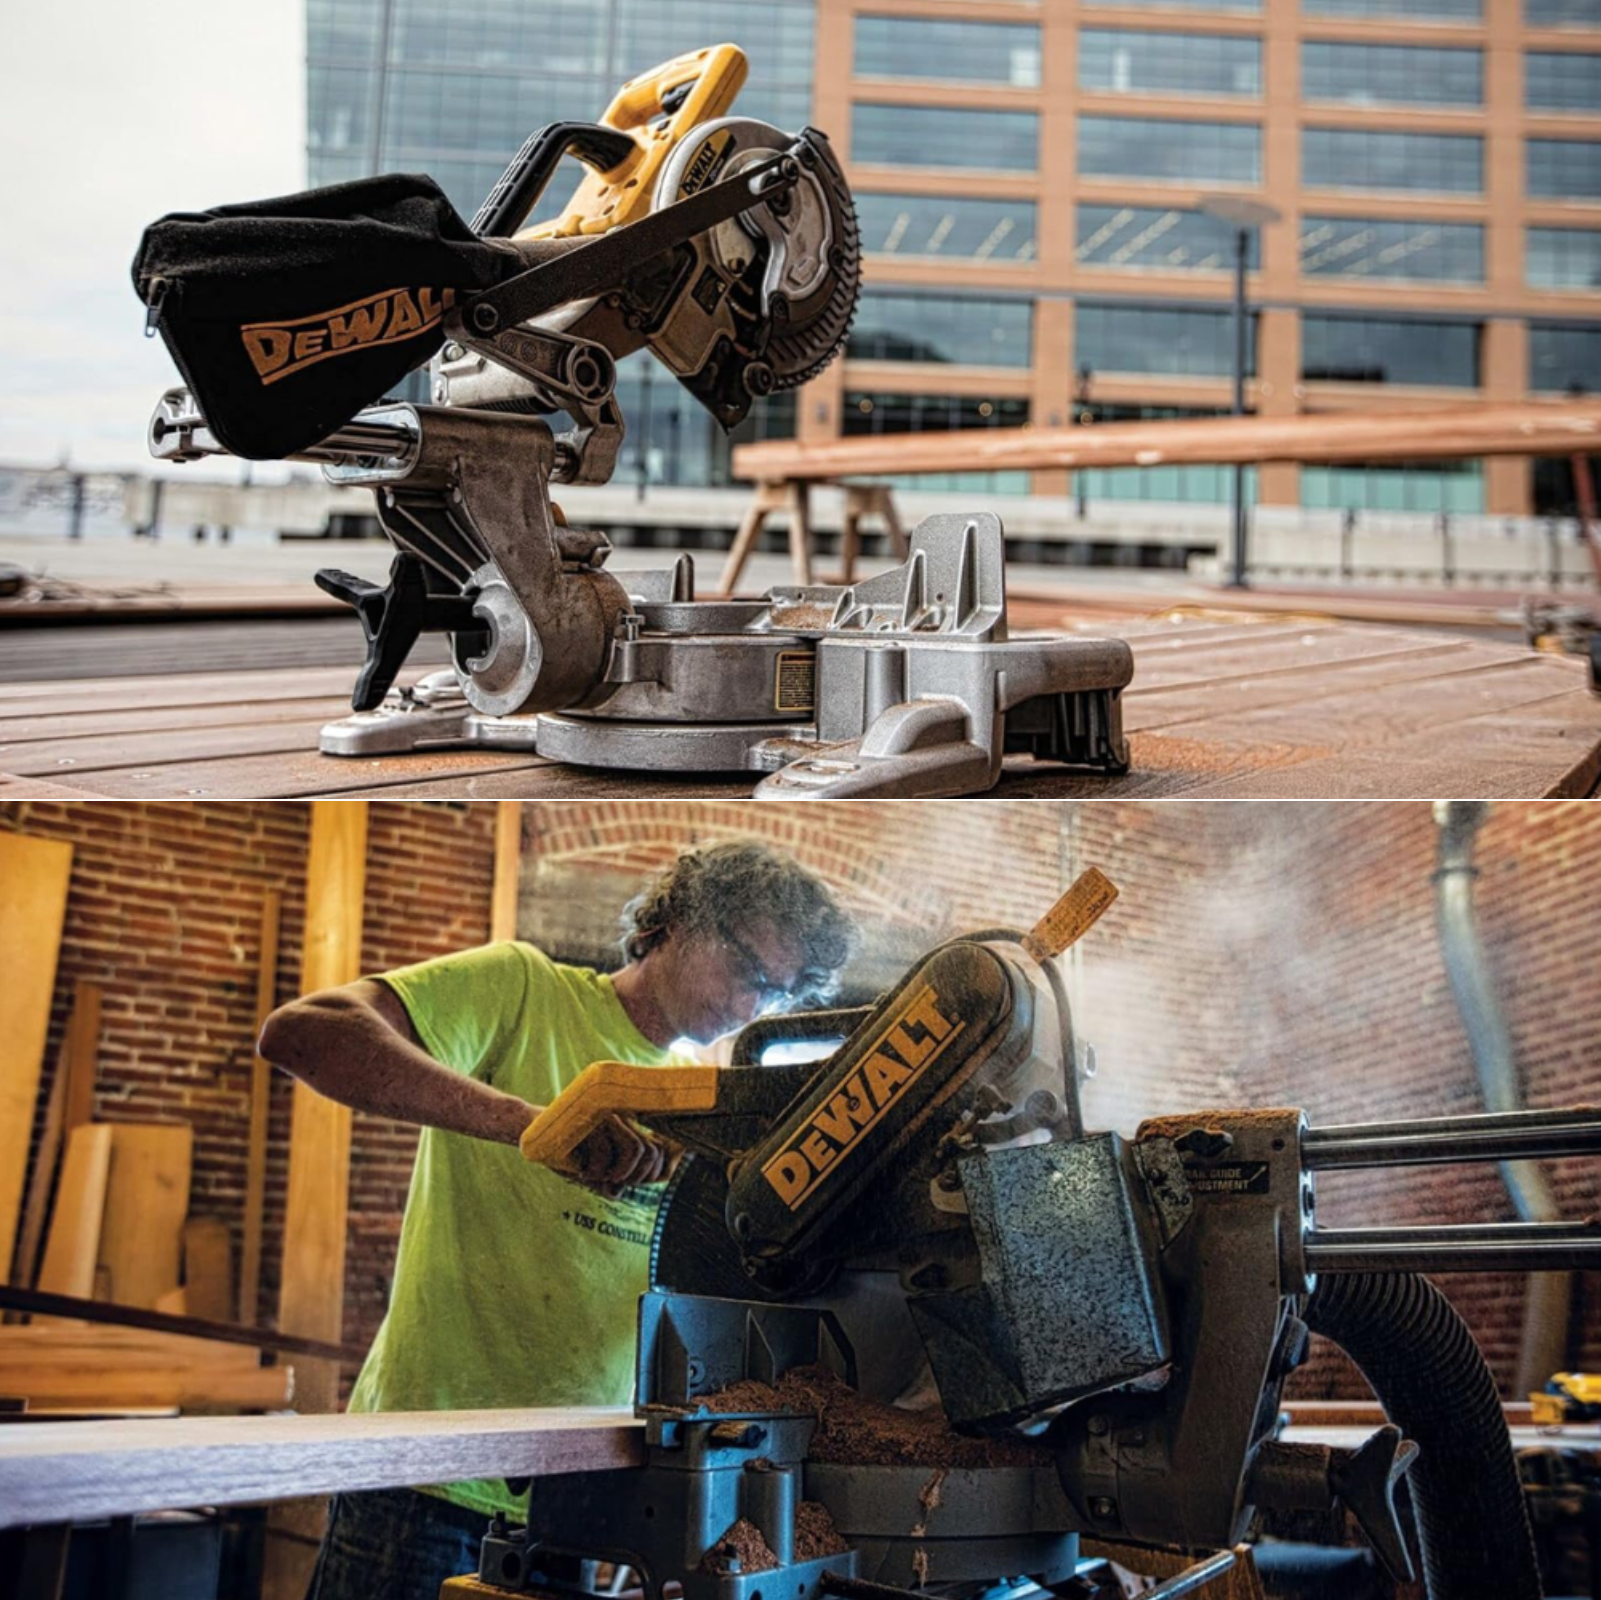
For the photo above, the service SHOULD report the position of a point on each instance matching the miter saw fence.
(922, 1215)
(729, 250)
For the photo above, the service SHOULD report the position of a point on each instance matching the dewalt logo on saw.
(913, 1041)
(708, 162)
(279, 349)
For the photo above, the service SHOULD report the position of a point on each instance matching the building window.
(1561, 80)
(1564, 169)
(869, 411)
(1127, 62)
(1176, 5)
(1401, 10)
(1564, 258)
(1425, 487)
(1156, 239)
(1354, 158)
(1169, 152)
(1565, 357)
(954, 52)
(1186, 484)
(1113, 336)
(1376, 247)
(1356, 349)
(927, 227)
(1394, 74)
(1562, 13)
(967, 330)
(935, 136)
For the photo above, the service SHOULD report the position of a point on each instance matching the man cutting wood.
(514, 1286)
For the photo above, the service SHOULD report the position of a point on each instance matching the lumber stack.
(88, 1366)
(105, 1211)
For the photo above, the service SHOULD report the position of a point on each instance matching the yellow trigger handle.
(607, 1087)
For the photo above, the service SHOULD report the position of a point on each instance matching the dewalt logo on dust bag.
(914, 1039)
(280, 349)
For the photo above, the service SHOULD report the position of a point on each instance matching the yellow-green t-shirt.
(513, 1287)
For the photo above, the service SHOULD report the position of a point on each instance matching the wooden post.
(508, 868)
(260, 1099)
(34, 876)
(312, 1294)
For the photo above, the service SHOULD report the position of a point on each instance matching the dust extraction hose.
(1423, 1364)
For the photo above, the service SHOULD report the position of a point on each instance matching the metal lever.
(1365, 1480)
(1306, 1477)
(393, 617)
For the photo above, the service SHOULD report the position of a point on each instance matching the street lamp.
(1243, 215)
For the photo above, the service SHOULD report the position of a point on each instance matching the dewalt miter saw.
(726, 248)
(1105, 1324)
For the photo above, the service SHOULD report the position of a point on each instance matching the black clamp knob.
(393, 617)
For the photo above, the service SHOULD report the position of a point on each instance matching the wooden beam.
(83, 1470)
(41, 1304)
(71, 1251)
(508, 869)
(260, 1108)
(77, 1043)
(311, 1298)
(1522, 428)
(34, 877)
(82, 1056)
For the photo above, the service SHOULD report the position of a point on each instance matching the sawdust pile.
(815, 1533)
(742, 1544)
(863, 1432)
(815, 1537)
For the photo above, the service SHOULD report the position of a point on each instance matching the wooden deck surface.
(1222, 705)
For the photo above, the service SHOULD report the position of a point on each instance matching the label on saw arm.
(911, 1042)
(709, 161)
(795, 681)
(1227, 1177)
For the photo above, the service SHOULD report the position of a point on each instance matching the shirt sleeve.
(468, 1007)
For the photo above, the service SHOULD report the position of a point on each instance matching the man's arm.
(356, 1045)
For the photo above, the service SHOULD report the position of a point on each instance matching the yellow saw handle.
(605, 1088)
(625, 193)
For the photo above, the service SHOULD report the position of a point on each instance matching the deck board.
(1221, 705)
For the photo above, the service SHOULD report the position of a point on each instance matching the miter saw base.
(904, 684)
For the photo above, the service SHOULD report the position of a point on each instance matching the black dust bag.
(287, 316)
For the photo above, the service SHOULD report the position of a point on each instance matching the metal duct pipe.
(1543, 1347)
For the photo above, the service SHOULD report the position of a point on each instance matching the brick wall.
(1257, 954)
(165, 913)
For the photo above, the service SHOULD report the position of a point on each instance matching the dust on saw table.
(1222, 704)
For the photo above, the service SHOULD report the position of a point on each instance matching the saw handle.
(713, 77)
(612, 1088)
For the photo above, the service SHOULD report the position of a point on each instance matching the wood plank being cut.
(147, 1198)
(34, 877)
(92, 1469)
(73, 1245)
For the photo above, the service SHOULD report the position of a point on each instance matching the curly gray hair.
(722, 889)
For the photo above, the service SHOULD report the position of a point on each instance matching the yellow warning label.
(795, 681)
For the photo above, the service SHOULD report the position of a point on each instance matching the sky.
(113, 113)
